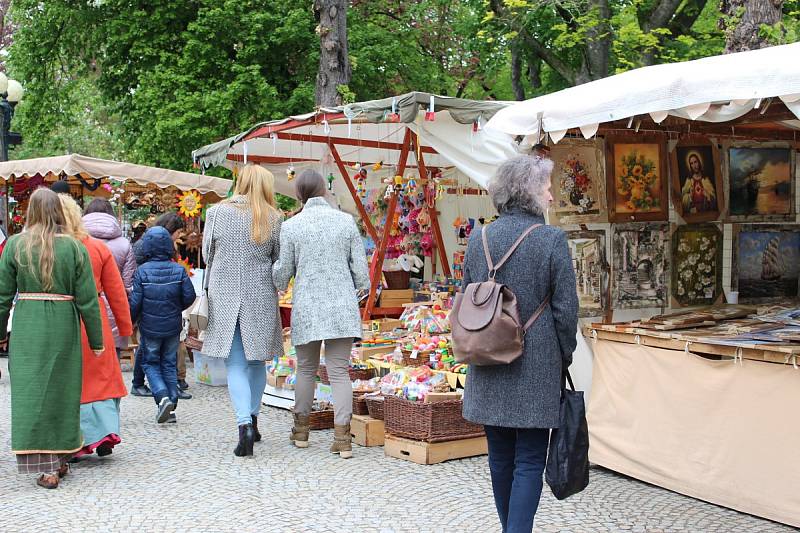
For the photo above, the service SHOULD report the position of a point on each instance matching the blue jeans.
(160, 356)
(138, 368)
(517, 460)
(246, 381)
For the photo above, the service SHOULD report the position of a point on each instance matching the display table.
(724, 431)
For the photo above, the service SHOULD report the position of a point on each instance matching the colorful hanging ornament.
(184, 262)
(389, 192)
(189, 204)
(330, 181)
(377, 166)
(412, 185)
(290, 173)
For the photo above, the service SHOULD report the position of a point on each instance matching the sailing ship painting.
(768, 263)
(760, 182)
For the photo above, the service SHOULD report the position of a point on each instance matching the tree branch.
(683, 21)
(516, 73)
(661, 15)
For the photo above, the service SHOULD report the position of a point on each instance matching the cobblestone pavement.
(184, 477)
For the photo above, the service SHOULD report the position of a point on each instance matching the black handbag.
(567, 470)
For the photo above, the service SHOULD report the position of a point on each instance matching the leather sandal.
(48, 481)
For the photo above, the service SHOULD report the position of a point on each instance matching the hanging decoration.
(330, 181)
(290, 173)
(189, 204)
(377, 166)
(184, 262)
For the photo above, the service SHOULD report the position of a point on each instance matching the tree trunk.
(334, 63)
(742, 20)
(535, 71)
(598, 40)
(516, 73)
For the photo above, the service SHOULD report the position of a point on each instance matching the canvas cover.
(712, 89)
(719, 431)
(90, 167)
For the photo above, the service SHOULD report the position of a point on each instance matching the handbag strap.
(210, 254)
(567, 378)
(492, 267)
(535, 316)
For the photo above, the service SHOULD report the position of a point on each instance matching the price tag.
(414, 354)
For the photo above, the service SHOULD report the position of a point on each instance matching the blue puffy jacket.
(161, 288)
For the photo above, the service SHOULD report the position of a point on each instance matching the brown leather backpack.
(485, 318)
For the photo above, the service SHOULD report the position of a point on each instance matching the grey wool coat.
(240, 287)
(323, 250)
(525, 393)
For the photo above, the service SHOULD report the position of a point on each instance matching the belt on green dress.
(46, 296)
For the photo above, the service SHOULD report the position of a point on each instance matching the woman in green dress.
(51, 276)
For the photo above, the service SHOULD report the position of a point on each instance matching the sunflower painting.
(637, 187)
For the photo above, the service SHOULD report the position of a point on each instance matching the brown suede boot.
(342, 441)
(299, 434)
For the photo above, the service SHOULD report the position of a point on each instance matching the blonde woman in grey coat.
(322, 249)
(240, 245)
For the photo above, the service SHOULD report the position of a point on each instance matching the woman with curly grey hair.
(518, 403)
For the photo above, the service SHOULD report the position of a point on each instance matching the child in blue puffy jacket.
(161, 292)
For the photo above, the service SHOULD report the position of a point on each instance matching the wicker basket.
(320, 419)
(360, 405)
(363, 374)
(431, 422)
(375, 406)
(423, 358)
(397, 279)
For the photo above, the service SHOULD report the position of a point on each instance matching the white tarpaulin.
(90, 167)
(712, 89)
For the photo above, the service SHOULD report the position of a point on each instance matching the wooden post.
(359, 205)
(377, 258)
(437, 232)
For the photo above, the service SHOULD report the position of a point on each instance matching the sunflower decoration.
(190, 204)
(193, 240)
(184, 262)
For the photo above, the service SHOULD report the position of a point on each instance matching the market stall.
(412, 168)
(139, 193)
(677, 186)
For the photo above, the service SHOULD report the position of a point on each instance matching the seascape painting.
(760, 182)
(578, 182)
(588, 250)
(696, 265)
(767, 262)
(640, 265)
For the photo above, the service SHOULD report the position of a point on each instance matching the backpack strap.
(535, 316)
(494, 268)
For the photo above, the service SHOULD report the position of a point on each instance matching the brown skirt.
(41, 463)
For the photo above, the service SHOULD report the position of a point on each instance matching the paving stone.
(185, 478)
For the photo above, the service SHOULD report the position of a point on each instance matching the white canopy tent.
(714, 89)
(90, 167)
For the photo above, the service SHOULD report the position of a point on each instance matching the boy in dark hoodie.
(161, 292)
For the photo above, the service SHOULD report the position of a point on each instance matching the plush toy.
(410, 263)
(427, 245)
(424, 220)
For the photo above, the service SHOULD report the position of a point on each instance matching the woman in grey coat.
(518, 403)
(240, 244)
(322, 249)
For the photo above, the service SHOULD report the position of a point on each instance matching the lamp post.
(11, 92)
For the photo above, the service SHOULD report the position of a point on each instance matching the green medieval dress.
(45, 351)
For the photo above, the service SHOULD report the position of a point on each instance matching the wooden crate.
(366, 353)
(396, 298)
(429, 453)
(366, 431)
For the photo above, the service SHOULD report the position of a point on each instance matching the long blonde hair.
(257, 184)
(73, 223)
(44, 219)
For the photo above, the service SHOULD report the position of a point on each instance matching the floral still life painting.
(767, 262)
(696, 265)
(640, 265)
(578, 182)
(638, 181)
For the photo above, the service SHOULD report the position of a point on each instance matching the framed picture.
(588, 249)
(766, 262)
(697, 191)
(760, 185)
(636, 178)
(696, 265)
(578, 182)
(640, 265)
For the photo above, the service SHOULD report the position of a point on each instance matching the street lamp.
(11, 92)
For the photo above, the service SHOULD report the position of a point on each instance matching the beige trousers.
(337, 361)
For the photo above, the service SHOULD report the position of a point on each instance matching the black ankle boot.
(255, 427)
(246, 439)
